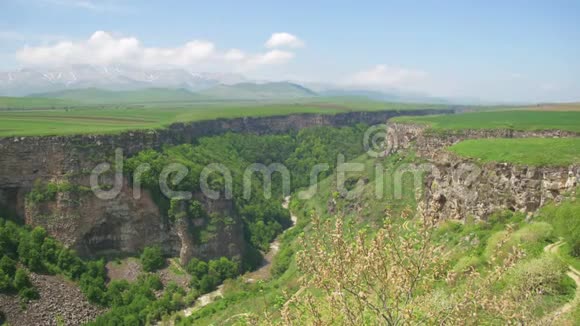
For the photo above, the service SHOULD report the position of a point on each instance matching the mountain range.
(29, 81)
(123, 84)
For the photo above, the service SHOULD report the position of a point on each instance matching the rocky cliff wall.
(457, 187)
(25, 159)
(125, 225)
(428, 142)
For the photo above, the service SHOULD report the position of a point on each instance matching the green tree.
(197, 268)
(21, 280)
(5, 282)
(8, 266)
(69, 263)
(223, 268)
(152, 259)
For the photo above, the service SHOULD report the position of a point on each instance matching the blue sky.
(493, 50)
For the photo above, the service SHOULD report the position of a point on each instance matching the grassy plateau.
(525, 151)
(33, 117)
(515, 120)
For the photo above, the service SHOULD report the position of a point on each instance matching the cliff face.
(124, 224)
(456, 187)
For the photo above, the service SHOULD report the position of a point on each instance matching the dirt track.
(574, 275)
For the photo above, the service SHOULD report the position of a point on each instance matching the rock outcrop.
(458, 188)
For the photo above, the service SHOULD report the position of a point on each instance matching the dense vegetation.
(263, 217)
(515, 120)
(524, 151)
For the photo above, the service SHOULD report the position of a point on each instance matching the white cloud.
(385, 77)
(284, 40)
(104, 48)
(234, 55)
(273, 57)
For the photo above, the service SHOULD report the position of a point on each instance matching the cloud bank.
(284, 40)
(383, 77)
(104, 48)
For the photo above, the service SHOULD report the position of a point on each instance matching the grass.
(564, 217)
(33, 102)
(522, 151)
(110, 119)
(515, 120)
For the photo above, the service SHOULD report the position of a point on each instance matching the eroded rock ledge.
(458, 188)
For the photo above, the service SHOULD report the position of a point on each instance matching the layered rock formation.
(457, 187)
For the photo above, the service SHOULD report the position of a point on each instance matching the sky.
(491, 50)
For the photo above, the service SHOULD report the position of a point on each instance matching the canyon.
(124, 225)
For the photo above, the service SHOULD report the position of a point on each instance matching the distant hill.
(101, 96)
(385, 97)
(243, 91)
(33, 80)
(246, 91)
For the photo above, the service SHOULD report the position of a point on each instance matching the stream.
(261, 273)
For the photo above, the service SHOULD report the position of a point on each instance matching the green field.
(44, 121)
(33, 102)
(515, 120)
(525, 151)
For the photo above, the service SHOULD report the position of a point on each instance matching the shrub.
(8, 266)
(466, 263)
(197, 268)
(208, 283)
(152, 259)
(28, 294)
(5, 282)
(282, 261)
(195, 209)
(23, 285)
(541, 275)
(564, 219)
(176, 210)
(21, 280)
(533, 234)
(223, 268)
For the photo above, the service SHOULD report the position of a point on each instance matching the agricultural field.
(35, 117)
(511, 119)
(524, 151)
(18, 103)
(528, 151)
